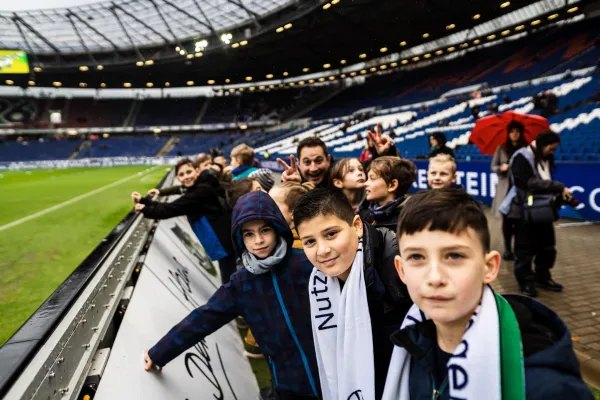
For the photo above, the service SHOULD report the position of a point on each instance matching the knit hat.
(264, 177)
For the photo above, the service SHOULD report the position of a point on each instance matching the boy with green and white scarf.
(460, 340)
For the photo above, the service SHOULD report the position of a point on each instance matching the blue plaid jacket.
(274, 304)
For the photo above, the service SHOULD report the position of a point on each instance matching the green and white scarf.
(487, 364)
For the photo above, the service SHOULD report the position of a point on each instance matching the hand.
(504, 167)
(290, 172)
(149, 364)
(139, 207)
(153, 192)
(567, 193)
(136, 197)
(382, 142)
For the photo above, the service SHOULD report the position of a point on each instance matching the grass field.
(37, 254)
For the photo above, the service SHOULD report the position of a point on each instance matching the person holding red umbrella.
(500, 165)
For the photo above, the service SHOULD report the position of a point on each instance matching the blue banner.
(582, 178)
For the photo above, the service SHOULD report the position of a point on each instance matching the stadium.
(99, 99)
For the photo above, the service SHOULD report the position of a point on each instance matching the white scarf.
(341, 327)
(474, 370)
(543, 167)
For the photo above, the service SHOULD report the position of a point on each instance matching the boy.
(441, 172)
(347, 323)
(270, 293)
(242, 158)
(389, 179)
(206, 214)
(460, 340)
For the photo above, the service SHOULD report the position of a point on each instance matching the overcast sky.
(22, 5)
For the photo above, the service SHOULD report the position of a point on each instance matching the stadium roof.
(124, 24)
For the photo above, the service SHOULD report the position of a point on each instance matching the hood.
(257, 205)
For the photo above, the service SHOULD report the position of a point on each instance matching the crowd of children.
(355, 289)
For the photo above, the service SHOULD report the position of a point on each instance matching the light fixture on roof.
(334, 2)
(572, 10)
(200, 45)
(505, 4)
(382, 67)
(211, 82)
(332, 78)
(394, 64)
(403, 43)
(177, 48)
(9, 82)
(383, 49)
(99, 67)
(428, 55)
(285, 73)
(439, 52)
(149, 84)
(279, 30)
(353, 73)
(243, 127)
(241, 89)
(327, 6)
(451, 49)
(536, 22)
(464, 45)
(227, 80)
(235, 45)
(269, 76)
(261, 87)
(292, 84)
(37, 69)
(149, 62)
(450, 27)
(305, 69)
(139, 63)
(288, 26)
(182, 52)
(252, 88)
(553, 16)
(231, 90)
(156, 130)
(199, 54)
(363, 71)
(127, 84)
(326, 66)
(476, 16)
(373, 69)
(506, 32)
(404, 62)
(520, 28)
(476, 41)
(425, 35)
(82, 84)
(190, 83)
(343, 76)
(105, 135)
(189, 56)
(84, 68)
(167, 84)
(321, 79)
(226, 38)
(363, 55)
(343, 62)
(56, 84)
(248, 78)
(311, 81)
(243, 42)
(301, 83)
(102, 85)
(31, 83)
(416, 58)
(271, 86)
(491, 37)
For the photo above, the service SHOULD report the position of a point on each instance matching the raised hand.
(290, 172)
(381, 142)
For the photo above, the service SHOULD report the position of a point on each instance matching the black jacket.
(387, 218)
(205, 211)
(387, 296)
(441, 150)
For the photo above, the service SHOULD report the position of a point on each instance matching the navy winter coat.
(274, 304)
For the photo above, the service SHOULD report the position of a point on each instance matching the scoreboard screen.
(13, 62)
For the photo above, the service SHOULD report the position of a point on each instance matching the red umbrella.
(490, 132)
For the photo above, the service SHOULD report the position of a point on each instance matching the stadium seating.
(37, 150)
(123, 146)
(182, 111)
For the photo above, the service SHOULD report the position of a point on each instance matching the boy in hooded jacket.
(270, 293)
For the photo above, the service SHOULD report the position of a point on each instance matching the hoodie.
(551, 367)
(274, 304)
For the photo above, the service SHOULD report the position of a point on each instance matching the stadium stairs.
(169, 145)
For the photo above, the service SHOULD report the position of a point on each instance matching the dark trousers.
(227, 266)
(508, 230)
(534, 242)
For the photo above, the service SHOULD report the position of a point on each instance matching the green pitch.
(37, 254)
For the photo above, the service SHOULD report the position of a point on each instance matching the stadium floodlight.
(394, 64)
(572, 10)
(279, 30)
(536, 22)
(404, 62)
(476, 16)
(243, 127)
(491, 37)
(127, 84)
(156, 130)
(372, 69)
(82, 84)
(403, 43)
(520, 28)
(149, 84)
(105, 135)
(553, 16)
(301, 83)
(56, 84)
(311, 81)
(243, 42)
(271, 86)
(235, 45)
(37, 69)
(353, 73)
(182, 52)
(425, 35)
(288, 26)
(382, 67)
(428, 55)
(139, 63)
(323, 79)
(199, 54)
(334, 2)
(269, 76)
(149, 62)
(363, 71)
(292, 84)
(439, 52)
(327, 6)
(451, 49)
(190, 83)
(417, 58)
(363, 55)
(226, 38)
(200, 45)
(343, 76)
(31, 83)
(476, 41)
(505, 4)
(383, 49)
(285, 73)
(248, 78)
(189, 56)
(227, 80)
(211, 82)
(326, 66)
(464, 45)
(167, 84)
(103, 85)
(99, 67)
(506, 32)
(305, 69)
(450, 27)
(177, 48)
(9, 82)
(84, 68)
(343, 62)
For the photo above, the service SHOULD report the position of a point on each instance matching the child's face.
(187, 174)
(205, 166)
(378, 190)
(354, 178)
(330, 243)
(445, 272)
(259, 238)
(440, 175)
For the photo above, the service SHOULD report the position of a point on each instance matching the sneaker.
(529, 290)
(550, 285)
(508, 256)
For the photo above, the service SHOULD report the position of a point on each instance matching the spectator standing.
(242, 161)
(515, 140)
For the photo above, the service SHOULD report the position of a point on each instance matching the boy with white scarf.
(460, 340)
(356, 297)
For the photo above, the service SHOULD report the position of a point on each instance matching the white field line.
(69, 202)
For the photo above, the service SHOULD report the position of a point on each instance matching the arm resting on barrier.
(170, 190)
(525, 179)
(220, 310)
(192, 203)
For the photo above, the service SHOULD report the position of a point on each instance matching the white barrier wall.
(176, 278)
